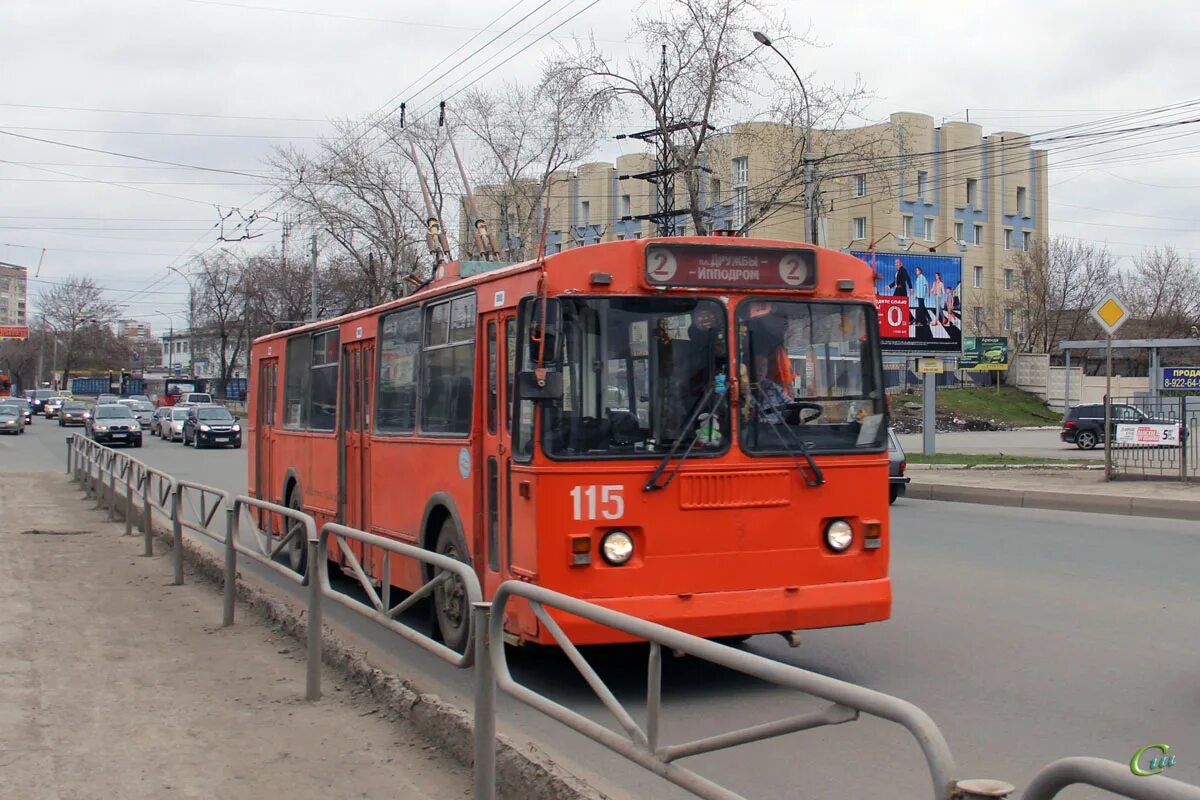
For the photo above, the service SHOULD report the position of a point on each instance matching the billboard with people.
(919, 299)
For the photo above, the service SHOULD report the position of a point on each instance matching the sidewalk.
(116, 684)
(1064, 489)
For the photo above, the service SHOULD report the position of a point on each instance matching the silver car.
(12, 420)
(171, 428)
(143, 411)
(897, 464)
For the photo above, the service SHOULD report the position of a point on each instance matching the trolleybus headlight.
(839, 535)
(616, 547)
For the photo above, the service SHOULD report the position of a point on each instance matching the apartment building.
(901, 185)
(14, 295)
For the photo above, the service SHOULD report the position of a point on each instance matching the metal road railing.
(380, 606)
(1107, 775)
(111, 477)
(643, 745)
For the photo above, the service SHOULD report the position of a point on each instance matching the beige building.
(905, 184)
(14, 297)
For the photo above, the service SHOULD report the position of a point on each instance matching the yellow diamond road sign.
(1111, 313)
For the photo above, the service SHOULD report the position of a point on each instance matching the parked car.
(73, 412)
(1084, 425)
(897, 464)
(21, 405)
(161, 414)
(11, 420)
(37, 399)
(50, 409)
(211, 426)
(171, 428)
(114, 423)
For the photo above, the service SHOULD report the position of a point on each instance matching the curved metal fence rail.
(380, 606)
(642, 745)
(1108, 775)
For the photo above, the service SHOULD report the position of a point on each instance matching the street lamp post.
(191, 320)
(810, 160)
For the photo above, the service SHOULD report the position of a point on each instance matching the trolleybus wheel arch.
(450, 603)
(296, 553)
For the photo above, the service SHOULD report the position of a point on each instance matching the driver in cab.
(772, 393)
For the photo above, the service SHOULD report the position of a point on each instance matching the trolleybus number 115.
(611, 503)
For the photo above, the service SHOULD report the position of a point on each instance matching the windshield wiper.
(818, 476)
(717, 387)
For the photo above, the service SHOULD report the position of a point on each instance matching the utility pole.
(312, 302)
(665, 217)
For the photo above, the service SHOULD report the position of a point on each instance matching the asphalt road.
(1027, 635)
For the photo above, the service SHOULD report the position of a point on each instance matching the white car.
(172, 429)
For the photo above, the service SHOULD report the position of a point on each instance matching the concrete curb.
(520, 773)
(1050, 465)
(1058, 501)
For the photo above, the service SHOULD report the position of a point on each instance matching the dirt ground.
(116, 684)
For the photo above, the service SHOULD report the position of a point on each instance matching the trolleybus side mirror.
(539, 385)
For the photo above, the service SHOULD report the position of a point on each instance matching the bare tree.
(1063, 279)
(1163, 292)
(357, 190)
(699, 67)
(220, 310)
(18, 358)
(74, 308)
(528, 135)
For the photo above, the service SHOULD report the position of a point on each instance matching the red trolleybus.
(689, 430)
(5, 385)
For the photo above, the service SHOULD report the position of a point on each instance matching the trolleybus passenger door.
(354, 440)
(490, 544)
(264, 419)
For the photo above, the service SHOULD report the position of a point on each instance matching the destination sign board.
(731, 267)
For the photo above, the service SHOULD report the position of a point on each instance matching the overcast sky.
(1024, 66)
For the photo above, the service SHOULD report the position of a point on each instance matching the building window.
(1026, 241)
(399, 349)
(714, 189)
(978, 277)
(585, 213)
(448, 366)
(979, 235)
(929, 229)
(977, 317)
(860, 185)
(972, 192)
(860, 227)
(741, 191)
(1021, 200)
(958, 232)
(626, 206)
(323, 388)
(1008, 319)
(1008, 279)
(906, 227)
(1008, 238)
(923, 187)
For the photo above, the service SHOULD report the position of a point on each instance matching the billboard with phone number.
(1185, 378)
(919, 300)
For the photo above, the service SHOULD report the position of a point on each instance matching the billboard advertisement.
(14, 332)
(984, 353)
(919, 299)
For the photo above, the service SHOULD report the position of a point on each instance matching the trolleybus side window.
(448, 366)
(295, 390)
(323, 383)
(399, 351)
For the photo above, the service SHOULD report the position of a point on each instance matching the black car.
(1084, 425)
(73, 412)
(114, 424)
(211, 426)
(897, 464)
(37, 399)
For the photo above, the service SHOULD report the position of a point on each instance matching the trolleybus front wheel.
(450, 603)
